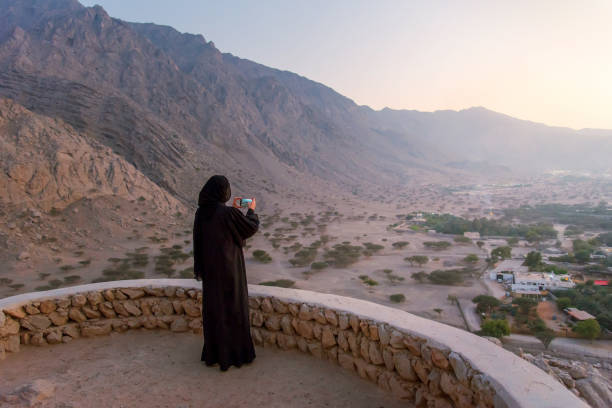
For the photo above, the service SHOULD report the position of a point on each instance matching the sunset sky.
(547, 61)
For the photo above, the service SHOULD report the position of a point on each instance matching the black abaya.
(218, 237)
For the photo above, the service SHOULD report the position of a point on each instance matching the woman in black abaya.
(219, 233)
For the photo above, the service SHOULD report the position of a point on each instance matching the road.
(468, 310)
(601, 349)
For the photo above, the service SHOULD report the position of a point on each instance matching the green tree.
(545, 336)
(582, 256)
(503, 252)
(512, 241)
(589, 329)
(533, 259)
(525, 304)
(480, 244)
(564, 302)
(438, 311)
(495, 328)
(486, 303)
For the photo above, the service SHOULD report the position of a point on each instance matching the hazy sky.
(548, 61)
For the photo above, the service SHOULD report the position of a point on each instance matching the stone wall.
(423, 362)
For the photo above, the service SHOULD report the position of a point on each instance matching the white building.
(532, 282)
(522, 282)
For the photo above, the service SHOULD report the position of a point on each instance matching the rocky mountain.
(47, 164)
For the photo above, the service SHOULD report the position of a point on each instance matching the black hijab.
(216, 191)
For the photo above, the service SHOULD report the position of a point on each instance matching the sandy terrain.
(81, 254)
(162, 369)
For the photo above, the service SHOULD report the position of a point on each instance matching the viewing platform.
(312, 349)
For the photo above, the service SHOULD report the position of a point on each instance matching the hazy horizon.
(542, 62)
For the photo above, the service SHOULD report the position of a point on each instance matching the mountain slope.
(179, 110)
(47, 164)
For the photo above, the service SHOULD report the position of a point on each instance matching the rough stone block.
(31, 309)
(78, 300)
(47, 306)
(136, 293)
(327, 337)
(266, 305)
(279, 306)
(272, 322)
(17, 313)
(285, 323)
(331, 317)
(97, 329)
(95, 298)
(304, 329)
(10, 327)
(346, 361)
(305, 312)
(58, 318)
(35, 322)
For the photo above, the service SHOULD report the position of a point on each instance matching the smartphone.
(244, 202)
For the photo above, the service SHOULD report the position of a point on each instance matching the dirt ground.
(162, 369)
(546, 310)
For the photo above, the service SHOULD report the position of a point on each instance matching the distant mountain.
(178, 110)
(478, 134)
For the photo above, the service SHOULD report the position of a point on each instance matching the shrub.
(446, 277)
(397, 298)
(512, 241)
(495, 328)
(16, 286)
(462, 240)
(418, 259)
(72, 279)
(283, 283)
(439, 245)
(304, 257)
(400, 244)
(7, 281)
(187, 273)
(343, 255)
(471, 258)
(262, 256)
(420, 276)
(317, 266)
(373, 248)
(588, 329)
(367, 280)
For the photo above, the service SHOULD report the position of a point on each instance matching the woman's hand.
(252, 204)
(236, 203)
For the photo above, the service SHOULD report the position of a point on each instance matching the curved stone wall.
(424, 362)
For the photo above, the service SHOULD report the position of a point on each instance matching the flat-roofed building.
(506, 270)
(577, 314)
